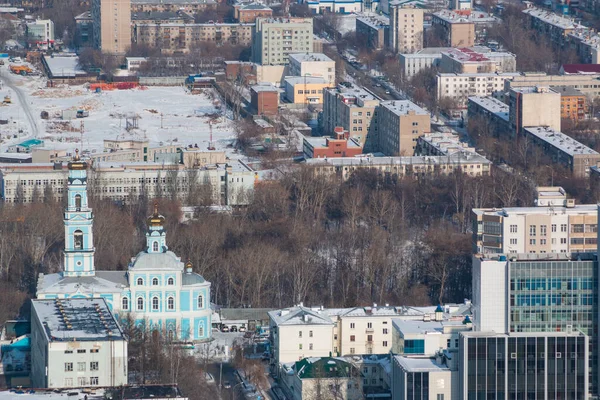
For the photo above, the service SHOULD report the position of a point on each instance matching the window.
(68, 367)
(299, 334)
(80, 351)
(94, 380)
(563, 240)
(542, 241)
(201, 331)
(385, 343)
(414, 346)
(125, 303)
(532, 242)
(513, 241)
(385, 331)
(310, 334)
(352, 325)
(577, 228)
(310, 346)
(200, 301)
(543, 230)
(155, 303)
(155, 246)
(68, 382)
(170, 303)
(352, 350)
(440, 397)
(81, 381)
(299, 346)
(563, 227)
(170, 282)
(369, 325)
(352, 338)
(78, 240)
(531, 230)
(78, 201)
(68, 351)
(513, 229)
(93, 350)
(553, 227)
(140, 282)
(140, 303)
(154, 281)
(80, 366)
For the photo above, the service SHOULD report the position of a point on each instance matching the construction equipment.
(82, 113)
(20, 69)
(7, 100)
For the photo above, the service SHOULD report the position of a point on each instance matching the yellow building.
(305, 89)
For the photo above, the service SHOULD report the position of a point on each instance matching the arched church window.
(200, 301)
(155, 303)
(125, 303)
(171, 334)
(201, 331)
(78, 201)
(170, 303)
(78, 240)
(154, 281)
(140, 281)
(140, 303)
(170, 282)
(154, 246)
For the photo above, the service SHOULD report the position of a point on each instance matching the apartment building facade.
(401, 123)
(179, 38)
(306, 90)
(274, 39)
(460, 86)
(354, 109)
(316, 65)
(375, 28)
(112, 25)
(406, 28)
(492, 111)
(188, 6)
(533, 106)
(249, 12)
(588, 84)
(459, 31)
(573, 103)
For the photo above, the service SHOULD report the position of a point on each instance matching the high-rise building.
(532, 107)
(112, 25)
(401, 123)
(274, 39)
(406, 28)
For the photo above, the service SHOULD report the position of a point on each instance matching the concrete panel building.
(76, 343)
(588, 84)
(492, 111)
(573, 103)
(274, 39)
(400, 125)
(312, 65)
(458, 29)
(466, 60)
(533, 106)
(406, 28)
(112, 25)
(188, 6)
(461, 86)
(374, 28)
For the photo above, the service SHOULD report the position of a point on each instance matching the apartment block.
(466, 60)
(413, 63)
(406, 27)
(533, 106)
(587, 83)
(459, 31)
(188, 6)
(249, 12)
(555, 27)
(401, 123)
(461, 86)
(312, 65)
(174, 37)
(492, 111)
(441, 144)
(274, 39)
(112, 25)
(76, 343)
(373, 28)
(573, 103)
(415, 166)
(354, 109)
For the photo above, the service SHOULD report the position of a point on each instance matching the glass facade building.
(523, 366)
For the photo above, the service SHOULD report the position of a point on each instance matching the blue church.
(157, 288)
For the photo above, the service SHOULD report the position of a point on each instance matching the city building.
(553, 26)
(491, 112)
(341, 6)
(461, 86)
(249, 12)
(161, 17)
(466, 60)
(76, 343)
(423, 378)
(273, 39)
(27, 146)
(441, 144)
(400, 124)
(312, 65)
(340, 145)
(588, 84)
(459, 30)
(354, 109)
(84, 33)
(416, 166)
(373, 28)
(135, 63)
(264, 99)
(573, 103)
(533, 106)
(188, 6)
(40, 32)
(305, 89)
(560, 227)
(240, 71)
(112, 25)
(406, 27)
(544, 365)
(180, 37)
(156, 289)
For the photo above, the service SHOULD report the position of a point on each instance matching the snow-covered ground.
(165, 115)
(51, 396)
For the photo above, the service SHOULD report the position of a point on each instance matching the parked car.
(242, 329)
(234, 329)
(227, 385)
(224, 329)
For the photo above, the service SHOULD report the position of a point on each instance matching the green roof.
(324, 367)
(31, 142)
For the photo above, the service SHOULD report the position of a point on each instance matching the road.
(23, 103)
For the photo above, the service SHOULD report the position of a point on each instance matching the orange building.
(573, 103)
(341, 145)
(249, 12)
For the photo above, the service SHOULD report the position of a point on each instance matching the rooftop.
(160, 15)
(457, 158)
(577, 209)
(174, 25)
(301, 57)
(560, 141)
(318, 142)
(77, 319)
(476, 17)
(465, 54)
(446, 143)
(567, 90)
(419, 364)
(255, 6)
(551, 18)
(264, 87)
(297, 80)
(504, 75)
(353, 94)
(63, 65)
(531, 89)
(375, 21)
(180, 2)
(568, 69)
(403, 107)
(492, 105)
(413, 327)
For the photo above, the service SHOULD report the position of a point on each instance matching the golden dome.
(76, 163)
(188, 265)
(156, 219)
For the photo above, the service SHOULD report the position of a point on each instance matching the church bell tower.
(79, 240)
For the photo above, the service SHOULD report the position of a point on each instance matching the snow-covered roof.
(163, 261)
(102, 282)
(299, 316)
(419, 364)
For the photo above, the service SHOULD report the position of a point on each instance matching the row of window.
(155, 281)
(82, 381)
(352, 349)
(94, 366)
(155, 303)
(81, 351)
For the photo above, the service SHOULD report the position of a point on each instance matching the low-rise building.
(413, 63)
(491, 111)
(40, 32)
(423, 378)
(533, 106)
(26, 147)
(249, 12)
(312, 65)
(587, 83)
(305, 90)
(264, 99)
(84, 34)
(573, 103)
(188, 6)
(461, 86)
(400, 124)
(76, 343)
(441, 144)
(373, 28)
(341, 145)
(466, 60)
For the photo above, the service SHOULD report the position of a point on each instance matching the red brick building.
(244, 70)
(264, 99)
(249, 12)
(341, 145)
